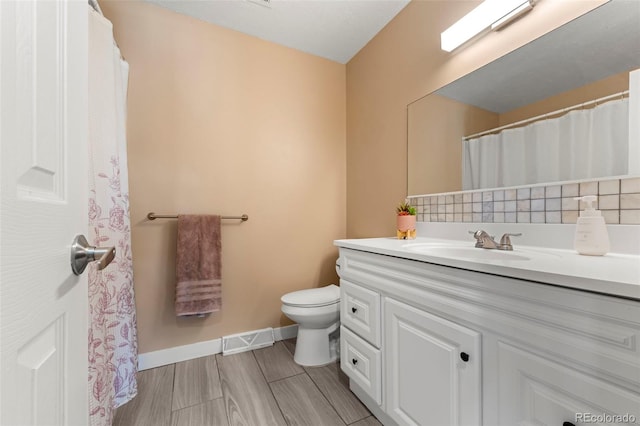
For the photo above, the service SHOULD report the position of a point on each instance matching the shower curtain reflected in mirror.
(112, 344)
(581, 144)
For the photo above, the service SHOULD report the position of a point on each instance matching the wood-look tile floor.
(261, 387)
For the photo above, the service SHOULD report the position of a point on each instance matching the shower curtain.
(581, 144)
(113, 354)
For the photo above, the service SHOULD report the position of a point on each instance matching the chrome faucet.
(486, 241)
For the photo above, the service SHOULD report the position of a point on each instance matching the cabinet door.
(432, 368)
(540, 391)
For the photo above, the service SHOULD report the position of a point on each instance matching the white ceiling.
(332, 29)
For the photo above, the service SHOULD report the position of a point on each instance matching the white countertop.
(613, 274)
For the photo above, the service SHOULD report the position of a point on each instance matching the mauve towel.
(198, 265)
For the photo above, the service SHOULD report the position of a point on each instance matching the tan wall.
(436, 126)
(401, 64)
(224, 123)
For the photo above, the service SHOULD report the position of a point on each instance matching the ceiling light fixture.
(490, 13)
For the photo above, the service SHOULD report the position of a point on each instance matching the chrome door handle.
(82, 253)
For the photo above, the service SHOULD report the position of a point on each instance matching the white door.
(43, 169)
(433, 369)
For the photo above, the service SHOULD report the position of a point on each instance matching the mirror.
(585, 59)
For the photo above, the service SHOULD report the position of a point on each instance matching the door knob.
(82, 253)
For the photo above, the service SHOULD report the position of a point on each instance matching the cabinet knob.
(354, 310)
(464, 356)
(354, 361)
(567, 424)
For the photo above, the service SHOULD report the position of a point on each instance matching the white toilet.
(317, 312)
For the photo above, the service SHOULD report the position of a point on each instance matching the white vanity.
(435, 334)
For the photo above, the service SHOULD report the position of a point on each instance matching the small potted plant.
(406, 221)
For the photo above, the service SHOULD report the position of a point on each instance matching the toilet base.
(316, 347)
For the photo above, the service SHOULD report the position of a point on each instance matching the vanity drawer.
(360, 311)
(362, 363)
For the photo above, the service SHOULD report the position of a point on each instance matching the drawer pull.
(567, 424)
(354, 310)
(465, 357)
(354, 361)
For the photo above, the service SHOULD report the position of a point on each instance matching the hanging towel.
(198, 265)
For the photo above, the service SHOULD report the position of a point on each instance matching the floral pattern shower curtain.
(112, 342)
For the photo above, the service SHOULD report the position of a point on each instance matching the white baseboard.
(284, 333)
(167, 356)
(178, 353)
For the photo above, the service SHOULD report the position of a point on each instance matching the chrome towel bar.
(153, 216)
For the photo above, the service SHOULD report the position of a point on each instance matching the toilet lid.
(322, 296)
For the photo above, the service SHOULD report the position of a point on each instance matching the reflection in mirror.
(584, 60)
(591, 141)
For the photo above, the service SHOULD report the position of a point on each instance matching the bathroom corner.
(221, 122)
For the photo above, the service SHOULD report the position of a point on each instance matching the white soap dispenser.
(592, 237)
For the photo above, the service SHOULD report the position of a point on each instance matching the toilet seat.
(313, 297)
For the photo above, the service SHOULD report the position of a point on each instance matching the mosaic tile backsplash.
(618, 199)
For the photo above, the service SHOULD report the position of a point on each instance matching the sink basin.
(467, 253)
